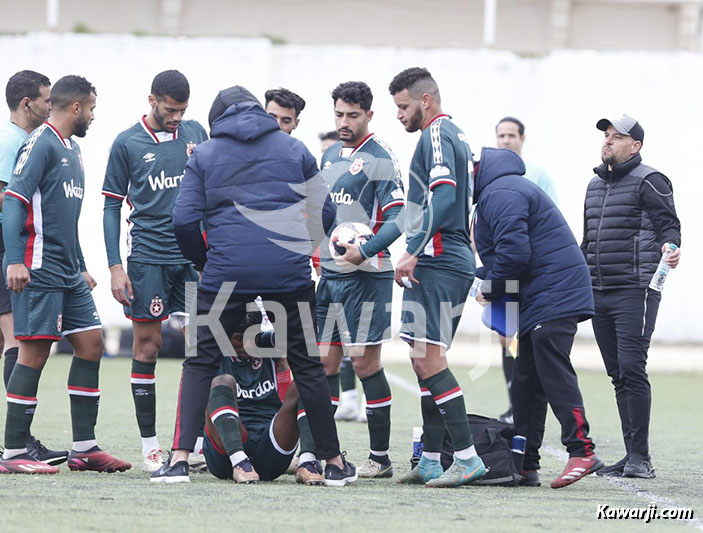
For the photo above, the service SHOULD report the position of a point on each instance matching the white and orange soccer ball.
(349, 233)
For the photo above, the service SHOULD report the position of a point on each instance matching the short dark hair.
(171, 83)
(285, 98)
(518, 123)
(25, 83)
(416, 80)
(354, 92)
(329, 135)
(70, 89)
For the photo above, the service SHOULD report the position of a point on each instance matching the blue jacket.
(521, 235)
(258, 195)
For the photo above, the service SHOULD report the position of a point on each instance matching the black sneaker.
(36, 449)
(530, 478)
(614, 470)
(639, 468)
(339, 477)
(178, 473)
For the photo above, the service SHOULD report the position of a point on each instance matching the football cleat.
(461, 472)
(347, 412)
(243, 472)
(36, 449)
(575, 469)
(153, 460)
(425, 470)
(26, 464)
(177, 473)
(374, 469)
(309, 473)
(96, 460)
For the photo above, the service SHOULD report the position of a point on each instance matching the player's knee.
(147, 348)
(224, 380)
(365, 366)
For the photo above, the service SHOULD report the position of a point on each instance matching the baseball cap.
(228, 97)
(624, 124)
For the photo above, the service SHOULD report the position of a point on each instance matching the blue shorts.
(428, 307)
(159, 290)
(41, 314)
(359, 306)
(268, 458)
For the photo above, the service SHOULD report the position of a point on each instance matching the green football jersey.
(442, 156)
(257, 389)
(145, 168)
(364, 183)
(48, 179)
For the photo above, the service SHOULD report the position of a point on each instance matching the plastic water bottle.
(417, 446)
(475, 287)
(659, 277)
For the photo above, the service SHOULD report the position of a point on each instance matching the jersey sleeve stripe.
(113, 195)
(443, 180)
(17, 195)
(392, 204)
(436, 139)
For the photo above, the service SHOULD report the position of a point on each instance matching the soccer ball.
(350, 233)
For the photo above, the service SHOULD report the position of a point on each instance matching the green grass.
(128, 502)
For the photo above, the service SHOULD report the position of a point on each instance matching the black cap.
(625, 125)
(228, 97)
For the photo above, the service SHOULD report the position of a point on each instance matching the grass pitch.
(128, 502)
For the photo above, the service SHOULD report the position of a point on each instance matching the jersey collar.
(158, 136)
(443, 115)
(65, 142)
(358, 146)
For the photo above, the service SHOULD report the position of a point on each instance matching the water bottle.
(475, 287)
(659, 277)
(417, 446)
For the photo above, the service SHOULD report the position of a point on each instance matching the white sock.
(306, 457)
(432, 456)
(198, 446)
(84, 445)
(466, 453)
(237, 457)
(149, 444)
(379, 453)
(10, 453)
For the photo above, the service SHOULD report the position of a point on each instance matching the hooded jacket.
(521, 235)
(258, 195)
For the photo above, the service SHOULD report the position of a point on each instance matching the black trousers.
(543, 375)
(299, 336)
(623, 325)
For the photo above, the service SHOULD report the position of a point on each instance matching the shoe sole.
(170, 479)
(383, 474)
(4, 470)
(55, 460)
(80, 467)
(341, 482)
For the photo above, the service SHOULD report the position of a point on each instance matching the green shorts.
(159, 290)
(359, 307)
(268, 458)
(48, 315)
(428, 307)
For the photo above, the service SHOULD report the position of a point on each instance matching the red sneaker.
(26, 464)
(575, 469)
(97, 460)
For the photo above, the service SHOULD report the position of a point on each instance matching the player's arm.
(658, 200)
(320, 209)
(115, 189)
(507, 220)
(189, 212)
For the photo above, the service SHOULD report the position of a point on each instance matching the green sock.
(225, 415)
(432, 422)
(10, 362)
(144, 395)
(21, 404)
(333, 384)
(347, 377)
(85, 396)
(449, 398)
(378, 411)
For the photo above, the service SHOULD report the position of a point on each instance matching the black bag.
(493, 442)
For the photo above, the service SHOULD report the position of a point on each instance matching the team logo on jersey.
(397, 194)
(64, 162)
(149, 157)
(190, 147)
(157, 306)
(256, 363)
(438, 171)
(356, 166)
(59, 322)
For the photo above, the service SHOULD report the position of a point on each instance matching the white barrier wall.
(559, 97)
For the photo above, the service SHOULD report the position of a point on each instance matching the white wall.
(559, 97)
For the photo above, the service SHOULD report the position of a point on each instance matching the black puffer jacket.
(629, 214)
